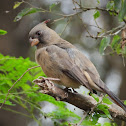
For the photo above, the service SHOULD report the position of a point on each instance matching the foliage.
(17, 4)
(3, 32)
(27, 95)
(96, 14)
(25, 12)
(116, 8)
(104, 43)
(24, 92)
(109, 38)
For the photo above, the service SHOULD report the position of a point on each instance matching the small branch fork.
(79, 10)
(112, 32)
(16, 82)
(84, 102)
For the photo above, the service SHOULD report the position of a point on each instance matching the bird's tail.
(114, 97)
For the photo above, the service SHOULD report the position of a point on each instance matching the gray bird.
(60, 59)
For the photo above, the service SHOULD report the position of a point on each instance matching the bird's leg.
(70, 89)
(90, 93)
(74, 90)
(93, 91)
(67, 89)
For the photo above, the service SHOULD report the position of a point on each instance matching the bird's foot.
(74, 90)
(91, 92)
(67, 89)
(94, 91)
(70, 89)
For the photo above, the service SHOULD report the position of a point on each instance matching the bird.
(60, 59)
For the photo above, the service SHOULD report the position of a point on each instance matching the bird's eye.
(38, 33)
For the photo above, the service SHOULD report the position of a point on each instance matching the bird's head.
(43, 35)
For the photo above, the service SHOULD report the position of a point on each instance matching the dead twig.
(83, 117)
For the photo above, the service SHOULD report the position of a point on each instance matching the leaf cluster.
(113, 40)
(27, 95)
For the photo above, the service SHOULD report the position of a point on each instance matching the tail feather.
(116, 99)
(112, 95)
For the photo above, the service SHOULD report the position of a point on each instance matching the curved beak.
(34, 41)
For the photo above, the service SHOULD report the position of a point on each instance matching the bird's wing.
(84, 63)
(61, 58)
(81, 60)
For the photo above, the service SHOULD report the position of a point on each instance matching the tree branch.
(84, 102)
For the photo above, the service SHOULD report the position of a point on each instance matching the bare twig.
(95, 8)
(112, 32)
(83, 117)
(15, 83)
(57, 20)
(65, 26)
(47, 11)
(80, 17)
(98, 25)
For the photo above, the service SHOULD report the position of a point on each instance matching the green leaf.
(52, 6)
(104, 43)
(3, 32)
(7, 102)
(98, 1)
(91, 120)
(27, 11)
(124, 51)
(17, 4)
(125, 102)
(104, 108)
(117, 5)
(99, 124)
(115, 41)
(122, 12)
(95, 97)
(107, 101)
(95, 117)
(62, 113)
(96, 14)
(118, 49)
(110, 5)
(107, 124)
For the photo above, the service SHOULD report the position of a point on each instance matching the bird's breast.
(44, 60)
(52, 69)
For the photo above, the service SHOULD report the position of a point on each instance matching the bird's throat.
(39, 45)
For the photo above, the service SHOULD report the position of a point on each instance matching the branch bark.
(84, 102)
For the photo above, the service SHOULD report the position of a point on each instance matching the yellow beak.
(33, 41)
